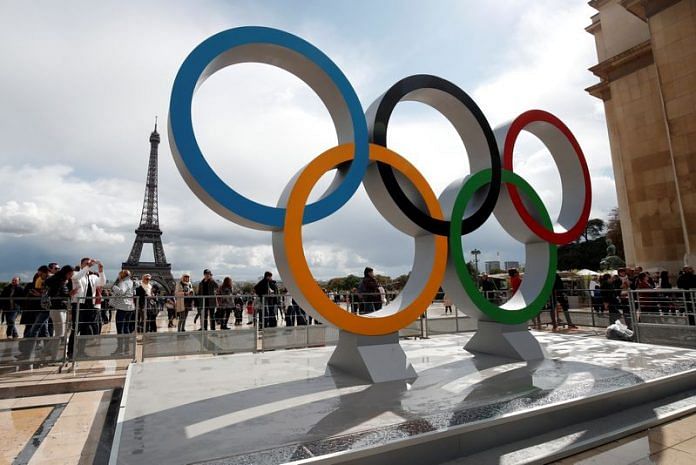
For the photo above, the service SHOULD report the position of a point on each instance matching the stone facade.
(647, 70)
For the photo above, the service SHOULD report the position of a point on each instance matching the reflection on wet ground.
(280, 406)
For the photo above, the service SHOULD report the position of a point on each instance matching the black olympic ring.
(419, 88)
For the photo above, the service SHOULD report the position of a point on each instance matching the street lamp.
(476, 253)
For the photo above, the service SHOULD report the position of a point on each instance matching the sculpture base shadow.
(375, 359)
(509, 341)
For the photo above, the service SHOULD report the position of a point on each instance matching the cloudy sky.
(81, 83)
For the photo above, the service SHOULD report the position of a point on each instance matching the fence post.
(134, 333)
(258, 318)
(634, 314)
(75, 335)
(456, 319)
(592, 308)
(203, 322)
(66, 331)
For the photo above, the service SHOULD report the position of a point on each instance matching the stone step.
(61, 386)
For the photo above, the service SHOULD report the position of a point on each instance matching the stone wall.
(649, 92)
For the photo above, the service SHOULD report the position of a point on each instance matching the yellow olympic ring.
(372, 324)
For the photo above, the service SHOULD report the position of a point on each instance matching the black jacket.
(57, 288)
(266, 287)
(209, 287)
(143, 300)
(687, 281)
(18, 294)
(369, 290)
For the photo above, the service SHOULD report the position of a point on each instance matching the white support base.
(376, 359)
(509, 341)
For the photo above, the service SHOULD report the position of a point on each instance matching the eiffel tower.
(149, 231)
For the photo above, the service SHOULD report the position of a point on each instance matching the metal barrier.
(276, 322)
(101, 332)
(28, 335)
(664, 316)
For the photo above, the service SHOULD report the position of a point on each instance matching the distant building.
(512, 264)
(492, 265)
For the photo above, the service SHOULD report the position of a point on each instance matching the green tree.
(472, 270)
(383, 280)
(580, 255)
(594, 229)
(246, 288)
(343, 284)
(400, 281)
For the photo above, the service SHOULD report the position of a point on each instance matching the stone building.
(647, 69)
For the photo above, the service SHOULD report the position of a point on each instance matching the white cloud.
(79, 94)
(28, 218)
(547, 69)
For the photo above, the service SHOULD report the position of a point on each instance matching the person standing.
(56, 299)
(515, 280)
(83, 293)
(35, 289)
(596, 295)
(238, 308)
(646, 299)
(170, 305)
(207, 288)
(146, 304)
(11, 303)
(488, 288)
(666, 298)
(560, 299)
(369, 292)
(225, 302)
(122, 300)
(184, 300)
(609, 288)
(687, 282)
(447, 302)
(267, 291)
(250, 310)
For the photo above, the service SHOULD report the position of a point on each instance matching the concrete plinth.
(509, 341)
(375, 359)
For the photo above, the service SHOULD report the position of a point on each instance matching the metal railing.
(163, 326)
(29, 334)
(664, 316)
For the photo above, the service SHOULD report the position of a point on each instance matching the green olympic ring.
(495, 312)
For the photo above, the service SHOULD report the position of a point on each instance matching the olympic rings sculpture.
(395, 187)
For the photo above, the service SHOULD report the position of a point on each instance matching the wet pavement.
(274, 407)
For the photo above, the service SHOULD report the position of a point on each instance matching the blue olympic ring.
(202, 178)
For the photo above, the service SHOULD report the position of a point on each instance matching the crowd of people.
(77, 300)
(610, 294)
(71, 301)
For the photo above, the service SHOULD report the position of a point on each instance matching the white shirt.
(80, 282)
